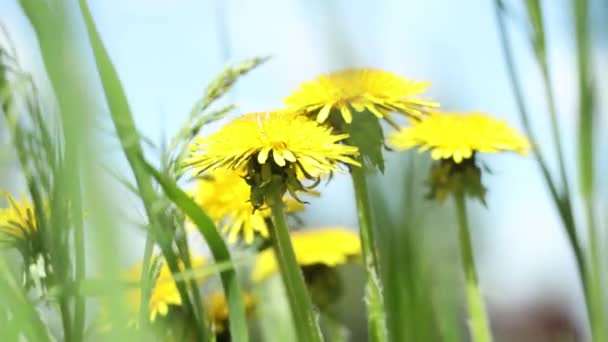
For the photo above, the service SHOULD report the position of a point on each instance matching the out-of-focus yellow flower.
(458, 136)
(377, 91)
(17, 221)
(281, 138)
(164, 290)
(330, 246)
(217, 309)
(224, 195)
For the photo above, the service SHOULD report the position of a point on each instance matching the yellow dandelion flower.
(224, 195)
(280, 138)
(458, 136)
(330, 246)
(379, 92)
(217, 309)
(164, 292)
(17, 221)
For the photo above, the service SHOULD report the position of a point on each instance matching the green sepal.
(324, 285)
(448, 177)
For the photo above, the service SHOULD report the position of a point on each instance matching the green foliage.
(447, 178)
(366, 133)
(559, 187)
(232, 289)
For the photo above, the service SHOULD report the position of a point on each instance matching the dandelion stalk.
(299, 301)
(375, 305)
(480, 330)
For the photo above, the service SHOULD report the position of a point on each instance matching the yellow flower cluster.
(458, 136)
(272, 137)
(217, 309)
(379, 92)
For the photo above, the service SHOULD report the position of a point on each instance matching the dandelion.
(282, 144)
(379, 92)
(331, 246)
(217, 309)
(283, 139)
(164, 292)
(332, 99)
(458, 136)
(454, 139)
(17, 221)
(224, 195)
(276, 151)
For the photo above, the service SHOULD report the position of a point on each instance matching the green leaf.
(366, 133)
(230, 282)
(130, 142)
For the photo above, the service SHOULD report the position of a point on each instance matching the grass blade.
(230, 282)
(130, 142)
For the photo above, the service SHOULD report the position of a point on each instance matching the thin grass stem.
(586, 134)
(146, 285)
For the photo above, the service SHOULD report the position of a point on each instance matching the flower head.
(458, 136)
(164, 291)
(331, 246)
(274, 150)
(280, 138)
(377, 91)
(224, 195)
(17, 221)
(217, 309)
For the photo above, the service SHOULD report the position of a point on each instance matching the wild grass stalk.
(586, 157)
(588, 265)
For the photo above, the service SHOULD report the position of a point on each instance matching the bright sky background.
(167, 50)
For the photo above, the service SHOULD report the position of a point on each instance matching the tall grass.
(587, 257)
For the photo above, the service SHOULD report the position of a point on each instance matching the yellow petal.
(278, 158)
(263, 155)
(346, 114)
(324, 113)
(289, 156)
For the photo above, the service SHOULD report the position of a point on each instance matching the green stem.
(374, 300)
(535, 13)
(80, 261)
(145, 280)
(299, 301)
(596, 310)
(586, 111)
(480, 329)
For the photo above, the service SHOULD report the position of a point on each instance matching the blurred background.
(167, 51)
